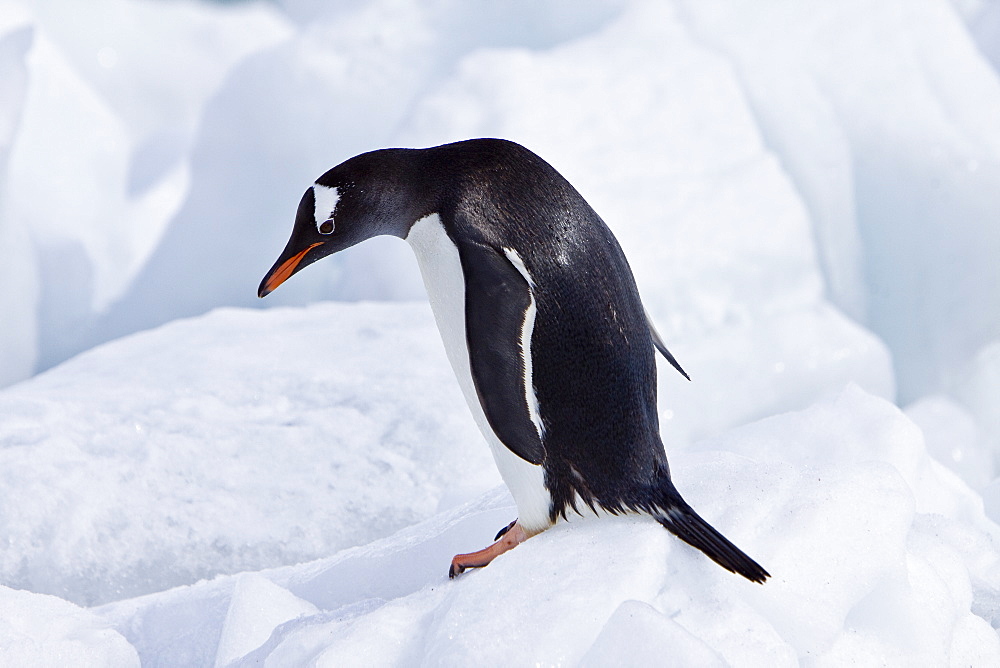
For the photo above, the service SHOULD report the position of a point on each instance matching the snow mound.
(257, 440)
(44, 631)
(233, 442)
(878, 554)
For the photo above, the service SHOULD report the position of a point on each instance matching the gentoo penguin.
(541, 321)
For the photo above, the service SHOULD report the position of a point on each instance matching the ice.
(100, 163)
(120, 56)
(256, 608)
(296, 101)
(616, 645)
(73, 200)
(991, 500)
(18, 269)
(983, 18)
(953, 438)
(915, 102)
(979, 389)
(84, 216)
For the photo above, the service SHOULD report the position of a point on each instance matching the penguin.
(541, 321)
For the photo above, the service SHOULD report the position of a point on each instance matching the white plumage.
(444, 280)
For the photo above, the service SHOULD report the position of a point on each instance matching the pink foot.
(508, 540)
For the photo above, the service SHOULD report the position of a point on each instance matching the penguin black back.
(593, 367)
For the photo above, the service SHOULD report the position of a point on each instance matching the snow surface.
(808, 197)
(850, 585)
(234, 442)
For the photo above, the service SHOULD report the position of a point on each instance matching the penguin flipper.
(499, 314)
(658, 343)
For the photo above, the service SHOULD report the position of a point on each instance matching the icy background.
(809, 194)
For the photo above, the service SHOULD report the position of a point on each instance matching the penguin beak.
(282, 269)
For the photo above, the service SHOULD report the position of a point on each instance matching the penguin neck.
(407, 189)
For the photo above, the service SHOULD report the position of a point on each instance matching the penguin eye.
(326, 199)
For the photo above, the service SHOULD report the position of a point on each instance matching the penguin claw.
(509, 537)
(504, 530)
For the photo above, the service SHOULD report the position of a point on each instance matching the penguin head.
(369, 195)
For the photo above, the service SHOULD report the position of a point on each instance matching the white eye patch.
(326, 202)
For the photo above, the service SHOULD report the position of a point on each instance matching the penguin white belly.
(444, 280)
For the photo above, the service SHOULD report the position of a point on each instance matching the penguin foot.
(508, 538)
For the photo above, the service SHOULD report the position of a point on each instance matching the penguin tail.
(674, 513)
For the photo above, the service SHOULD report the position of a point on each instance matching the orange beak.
(286, 269)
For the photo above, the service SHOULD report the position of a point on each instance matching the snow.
(38, 630)
(929, 558)
(329, 461)
(252, 444)
(190, 476)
